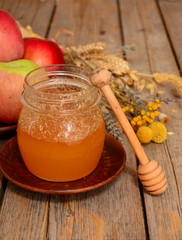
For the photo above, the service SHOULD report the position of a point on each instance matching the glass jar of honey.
(60, 129)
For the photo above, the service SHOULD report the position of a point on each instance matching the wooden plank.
(24, 214)
(157, 42)
(3, 140)
(115, 210)
(134, 33)
(35, 13)
(163, 212)
(7, 5)
(87, 21)
(1, 188)
(171, 12)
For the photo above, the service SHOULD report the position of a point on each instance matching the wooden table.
(120, 210)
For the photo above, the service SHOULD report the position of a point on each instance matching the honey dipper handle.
(125, 124)
(101, 78)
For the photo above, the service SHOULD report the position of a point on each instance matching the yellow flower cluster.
(125, 109)
(147, 116)
(156, 132)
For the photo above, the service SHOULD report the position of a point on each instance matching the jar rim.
(62, 75)
(55, 69)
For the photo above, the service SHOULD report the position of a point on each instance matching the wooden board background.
(119, 210)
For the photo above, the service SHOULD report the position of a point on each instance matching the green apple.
(12, 75)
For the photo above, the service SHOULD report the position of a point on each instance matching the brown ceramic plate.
(6, 128)
(112, 162)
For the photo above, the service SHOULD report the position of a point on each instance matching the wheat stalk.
(175, 80)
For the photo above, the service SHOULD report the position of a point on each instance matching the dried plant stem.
(71, 57)
(83, 60)
(125, 100)
(145, 75)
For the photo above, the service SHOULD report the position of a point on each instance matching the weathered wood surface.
(156, 55)
(119, 210)
(171, 11)
(92, 23)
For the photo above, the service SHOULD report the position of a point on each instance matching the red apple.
(11, 41)
(43, 52)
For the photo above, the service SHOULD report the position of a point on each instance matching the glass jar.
(60, 129)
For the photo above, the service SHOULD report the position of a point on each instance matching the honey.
(60, 129)
(61, 161)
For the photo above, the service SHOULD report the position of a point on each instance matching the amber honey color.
(60, 128)
(61, 161)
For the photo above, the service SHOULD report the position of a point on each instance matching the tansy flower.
(159, 132)
(152, 115)
(144, 117)
(154, 107)
(139, 123)
(157, 100)
(150, 104)
(133, 123)
(135, 119)
(156, 113)
(150, 120)
(131, 110)
(125, 109)
(142, 112)
(144, 134)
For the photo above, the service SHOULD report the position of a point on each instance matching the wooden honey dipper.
(149, 171)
